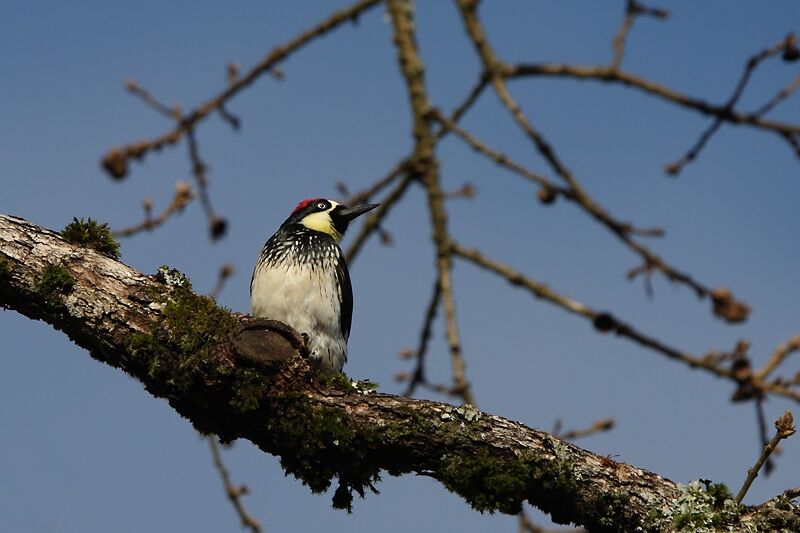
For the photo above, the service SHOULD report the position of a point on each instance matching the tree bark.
(240, 377)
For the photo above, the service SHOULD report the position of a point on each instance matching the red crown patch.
(305, 203)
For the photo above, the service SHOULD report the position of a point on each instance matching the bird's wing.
(345, 297)
(259, 261)
(263, 257)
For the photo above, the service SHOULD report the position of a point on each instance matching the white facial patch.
(321, 221)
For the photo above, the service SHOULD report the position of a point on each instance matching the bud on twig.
(785, 425)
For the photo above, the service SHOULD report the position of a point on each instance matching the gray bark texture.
(240, 377)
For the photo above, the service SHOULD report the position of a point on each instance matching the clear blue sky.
(85, 448)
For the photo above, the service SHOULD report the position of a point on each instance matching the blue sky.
(87, 449)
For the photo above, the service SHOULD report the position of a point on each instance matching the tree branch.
(608, 75)
(425, 167)
(241, 377)
(730, 309)
(116, 160)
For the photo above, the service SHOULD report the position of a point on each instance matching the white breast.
(308, 300)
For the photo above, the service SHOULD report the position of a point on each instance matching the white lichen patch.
(172, 277)
(468, 412)
(363, 387)
(694, 510)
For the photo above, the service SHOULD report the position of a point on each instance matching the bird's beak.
(349, 213)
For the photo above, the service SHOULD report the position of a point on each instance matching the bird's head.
(326, 216)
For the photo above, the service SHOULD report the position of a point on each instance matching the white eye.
(322, 205)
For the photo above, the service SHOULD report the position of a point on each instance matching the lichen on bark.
(185, 348)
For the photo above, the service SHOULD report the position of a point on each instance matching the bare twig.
(233, 492)
(183, 195)
(632, 9)
(373, 221)
(782, 95)
(549, 190)
(498, 157)
(366, 194)
(780, 354)
(467, 103)
(234, 121)
(761, 418)
(784, 428)
(495, 68)
(606, 322)
(498, 71)
(216, 224)
(540, 290)
(675, 168)
(618, 44)
(116, 160)
(599, 426)
(135, 89)
(608, 75)
(426, 168)
(466, 191)
(225, 272)
(793, 140)
(418, 376)
(404, 166)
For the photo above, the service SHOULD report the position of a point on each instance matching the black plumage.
(295, 245)
(301, 278)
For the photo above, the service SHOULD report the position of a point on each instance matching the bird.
(301, 279)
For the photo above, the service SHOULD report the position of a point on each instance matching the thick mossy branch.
(189, 349)
(487, 483)
(317, 444)
(243, 377)
(92, 234)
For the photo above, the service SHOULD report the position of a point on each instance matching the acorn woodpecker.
(301, 279)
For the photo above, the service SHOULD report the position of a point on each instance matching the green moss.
(196, 322)
(335, 380)
(54, 283)
(491, 483)
(555, 484)
(719, 492)
(612, 512)
(341, 381)
(316, 445)
(5, 268)
(180, 350)
(249, 389)
(488, 483)
(91, 234)
(414, 420)
(365, 386)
